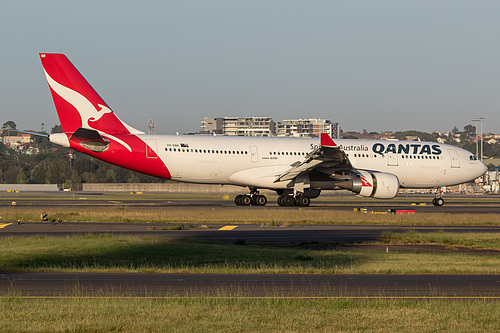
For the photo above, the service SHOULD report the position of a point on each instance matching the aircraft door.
(151, 148)
(455, 161)
(254, 154)
(392, 159)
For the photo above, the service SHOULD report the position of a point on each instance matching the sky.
(374, 65)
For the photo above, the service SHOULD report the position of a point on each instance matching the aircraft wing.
(327, 155)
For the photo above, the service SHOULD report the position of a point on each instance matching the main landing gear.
(252, 199)
(287, 198)
(290, 200)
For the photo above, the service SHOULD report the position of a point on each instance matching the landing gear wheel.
(238, 200)
(246, 200)
(438, 202)
(289, 201)
(281, 200)
(304, 201)
(259, 200)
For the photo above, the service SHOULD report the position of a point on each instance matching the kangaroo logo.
(86, 109)
(364, 182)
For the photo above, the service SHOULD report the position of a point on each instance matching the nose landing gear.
(438, 201)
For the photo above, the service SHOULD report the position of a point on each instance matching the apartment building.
(240, 126)
(307, 128)
(265, 126)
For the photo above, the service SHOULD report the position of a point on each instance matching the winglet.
(326, 140)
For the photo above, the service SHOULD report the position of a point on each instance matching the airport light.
(479, 119)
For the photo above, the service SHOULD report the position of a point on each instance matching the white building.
(240, 126)
(307, 128)
(14, 141)
(265, 126)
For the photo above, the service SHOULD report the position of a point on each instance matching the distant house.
(14, 141)
(492, 141)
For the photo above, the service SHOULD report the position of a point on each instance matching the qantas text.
(409, 148)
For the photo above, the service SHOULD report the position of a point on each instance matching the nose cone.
(483, 168)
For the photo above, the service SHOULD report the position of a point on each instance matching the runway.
(454, 204)
(54, 285)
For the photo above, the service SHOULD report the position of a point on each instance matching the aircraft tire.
(289, 201)
(259, 200)
(304, 201)
(246, 200)
(237, 200)
(281, 200)
(438, 202)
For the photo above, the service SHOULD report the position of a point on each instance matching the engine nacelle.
(378, 185)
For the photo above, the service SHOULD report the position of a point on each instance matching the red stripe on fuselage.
(135, 160)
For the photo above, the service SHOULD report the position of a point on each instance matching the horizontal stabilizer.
(45, 135)
(90, 139)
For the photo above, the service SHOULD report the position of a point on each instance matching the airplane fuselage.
(257, 161)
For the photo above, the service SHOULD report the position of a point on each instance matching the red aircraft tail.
(91, 127)
(77, 103)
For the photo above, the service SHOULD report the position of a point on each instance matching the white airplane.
(297, 169)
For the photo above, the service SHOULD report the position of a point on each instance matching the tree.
(110, 176)
(10, 175)
(8, 126)
(56, 129)
(58, 172)
(455, 130)
(39, 173)
(21, 177)
(470, 130)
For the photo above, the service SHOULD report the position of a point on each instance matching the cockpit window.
(473, 158)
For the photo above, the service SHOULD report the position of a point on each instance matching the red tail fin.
(77, 103)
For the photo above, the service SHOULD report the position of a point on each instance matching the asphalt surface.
(295, 235)
(249, 285)
(421, 204)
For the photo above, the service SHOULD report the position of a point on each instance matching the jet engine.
(380, 185)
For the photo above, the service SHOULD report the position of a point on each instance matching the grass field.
(246, 315)
(241, 215)
(108, 253)
(471, 240)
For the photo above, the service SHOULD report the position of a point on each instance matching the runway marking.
(3, 225)
(115, 201)
(266, 297)
(229, 227)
